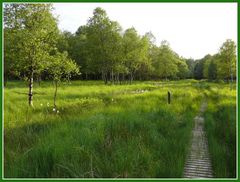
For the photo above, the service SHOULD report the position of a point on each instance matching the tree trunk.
(103, 77)
(68, 80)
(112, 77)
(109, 76)
(5, 80)
(39, 80)
(30, 92)
(131, 77)
(117, 78)
(55, 94)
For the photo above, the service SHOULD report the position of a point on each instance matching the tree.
(11, 25)
(212, 70)
(190, 62)
(206, 62)
(201, 67)
(9, 56)
(103, 38)
(64, 41)
(165, 61)
(226, 67)
(209, 66)
(146, 68)
(183, 70)
(76, 46)
(60, 67)
(80, 51)
(135, 51)
(35, 29)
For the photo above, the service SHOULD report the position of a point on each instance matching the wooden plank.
(198, 171)
(198, 163)
(198, 167)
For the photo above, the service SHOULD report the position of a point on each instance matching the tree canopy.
(31, 35)
(101, 48)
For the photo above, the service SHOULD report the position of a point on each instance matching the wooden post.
(169, 97)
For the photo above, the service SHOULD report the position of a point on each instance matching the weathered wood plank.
(198, 163)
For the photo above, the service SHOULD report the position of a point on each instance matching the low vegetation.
(104, 131)
(221, 129)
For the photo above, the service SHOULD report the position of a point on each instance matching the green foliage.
(206, 62)
(95, 134)
(103, 40)
(61, 67)
(221, 129)
(183, 70)
(190, 63)
(212, 70)
(219, 66)
(101, 49)
(35, 30)
(10, 56)
(199, 68)
(226, 67)
(135, 51)
(166, 61)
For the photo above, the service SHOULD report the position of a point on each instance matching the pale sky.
(192, 29)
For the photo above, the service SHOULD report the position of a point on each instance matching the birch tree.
(34, 31)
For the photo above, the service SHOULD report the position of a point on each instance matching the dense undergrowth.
(100, 130)
(221, 129)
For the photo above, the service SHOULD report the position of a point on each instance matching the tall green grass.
(101, 130)
(221, 129)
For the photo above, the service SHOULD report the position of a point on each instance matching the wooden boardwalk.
(198, 163)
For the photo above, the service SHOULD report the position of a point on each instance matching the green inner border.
(115, 1)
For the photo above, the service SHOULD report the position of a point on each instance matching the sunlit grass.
(100, 130)
(221, 129)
